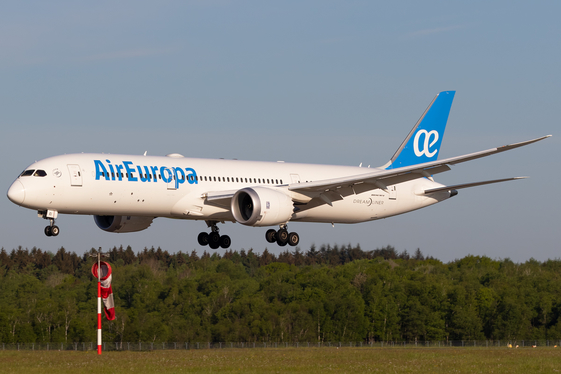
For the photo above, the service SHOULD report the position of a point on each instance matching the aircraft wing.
(381, 178)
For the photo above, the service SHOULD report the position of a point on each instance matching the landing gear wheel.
(293, 239)
(271, 235)
(55, 230)
(225, 241)
(203, 238)
(48, 231)
(282, 237)
(214, 240)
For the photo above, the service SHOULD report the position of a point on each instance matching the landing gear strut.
(282, 237)
(214, 239)
(52, 229)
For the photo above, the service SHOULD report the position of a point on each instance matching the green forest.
(334, 293)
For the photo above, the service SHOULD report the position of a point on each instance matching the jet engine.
(261, 206)
(123, 223)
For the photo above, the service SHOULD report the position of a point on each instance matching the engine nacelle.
(261, 206)
(123, 223)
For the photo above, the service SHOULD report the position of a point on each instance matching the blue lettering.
(166, 178)
(191, 176)
(130, 170)
(112, 171)
(145, 173)
(119, 174)
(100, 170)
(155, 172)
(144, 177)
(178, 181)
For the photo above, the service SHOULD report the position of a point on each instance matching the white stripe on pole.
(98, 316)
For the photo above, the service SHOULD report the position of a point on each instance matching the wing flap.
(220, 199)
(219, 195)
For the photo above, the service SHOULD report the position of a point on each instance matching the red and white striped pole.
(99, 302)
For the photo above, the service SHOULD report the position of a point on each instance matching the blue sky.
(301, 81)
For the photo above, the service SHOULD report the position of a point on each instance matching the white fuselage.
(176, 187)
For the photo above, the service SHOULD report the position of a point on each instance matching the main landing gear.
(52, 229)
(214, 239)
(282, 237)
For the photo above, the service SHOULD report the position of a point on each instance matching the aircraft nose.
(16, 193)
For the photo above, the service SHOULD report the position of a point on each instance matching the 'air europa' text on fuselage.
(135, 173)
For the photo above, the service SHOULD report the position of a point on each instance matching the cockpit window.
(40, 173)
(27, 173)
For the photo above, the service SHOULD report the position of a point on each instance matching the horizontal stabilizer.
(467, 185)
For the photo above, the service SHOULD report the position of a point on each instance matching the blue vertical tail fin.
(423, 142)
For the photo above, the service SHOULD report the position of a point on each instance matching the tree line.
(334, 293)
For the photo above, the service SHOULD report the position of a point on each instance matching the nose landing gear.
(52, 229)
(282, 237)
(214, 239)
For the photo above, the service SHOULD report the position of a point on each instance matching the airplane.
(125, 193)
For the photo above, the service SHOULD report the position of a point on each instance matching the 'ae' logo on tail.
(430, 137)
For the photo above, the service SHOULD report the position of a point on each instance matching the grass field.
(289, 360)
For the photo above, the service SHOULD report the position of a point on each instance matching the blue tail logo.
(423, 142)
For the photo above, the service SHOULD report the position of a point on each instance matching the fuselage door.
(393, 192)
(75, 175)
(171, 183)
(169, 179)
(295, 178)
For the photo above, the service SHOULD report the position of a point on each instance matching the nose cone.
(16, 193)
